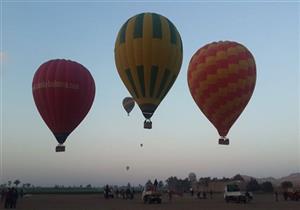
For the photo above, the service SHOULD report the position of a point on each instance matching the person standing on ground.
(155, 185)
(170, 195)
(8, 199)
(3, 194)
(14, 198)
(192, 192)
(106, 191)
(285, 195)
(276, 196)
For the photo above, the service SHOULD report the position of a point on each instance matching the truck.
(151, 196)
(234, 193)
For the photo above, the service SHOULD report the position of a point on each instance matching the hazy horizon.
(264, 141)
(133, 183)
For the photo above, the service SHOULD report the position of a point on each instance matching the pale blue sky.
(264, 140)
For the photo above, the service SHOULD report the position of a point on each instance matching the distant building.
(215, 186)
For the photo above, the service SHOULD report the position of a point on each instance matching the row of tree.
(267, 186)
(184, 185)
(9, 183)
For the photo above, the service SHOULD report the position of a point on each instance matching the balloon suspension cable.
(60, 148)
(127, 114)
(147, 124)
(223, 140)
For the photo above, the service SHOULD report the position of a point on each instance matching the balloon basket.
(224, 141)
(60, 148)
(147, 124)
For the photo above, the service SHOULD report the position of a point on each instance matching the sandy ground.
(93, 202)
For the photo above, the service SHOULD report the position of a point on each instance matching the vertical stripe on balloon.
(129, 77)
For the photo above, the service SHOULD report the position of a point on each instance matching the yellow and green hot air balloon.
(148, 56)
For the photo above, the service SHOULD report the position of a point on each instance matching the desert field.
(97, 202)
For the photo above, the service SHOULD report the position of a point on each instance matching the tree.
(267, 187)
(215, 179)
(253, 185)
(286, 184)
(238, 177)
(89, 186)
(172, 182)
(9, 183)
(185, 185)
(204, 181)
(17, 182)
(225, 179)
(160, 185)
(179, 185)
(192, 177)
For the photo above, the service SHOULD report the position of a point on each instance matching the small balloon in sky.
(128, 104)
(221, 79)
(63, 92)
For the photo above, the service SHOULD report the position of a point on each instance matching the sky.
(264, 141)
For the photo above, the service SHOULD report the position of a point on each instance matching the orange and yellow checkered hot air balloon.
(221, 78)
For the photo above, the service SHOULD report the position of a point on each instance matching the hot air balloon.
(127, 168)
(63, 92)
(221, 79)
(141, 145)
(128, 104)
(148, 57)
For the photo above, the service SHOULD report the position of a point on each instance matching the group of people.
(10, 197)
(127, 193)
(152, 187)
(204, 195)
(201, 195)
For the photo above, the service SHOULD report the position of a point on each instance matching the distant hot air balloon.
(148, 56)
(128, 104)
(221, 78)
(141, 145)
(127, 168)
(63, 92)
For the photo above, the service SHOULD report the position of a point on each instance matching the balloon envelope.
(148, 57)
(221, 79)
(63, 92)
(128, 104)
